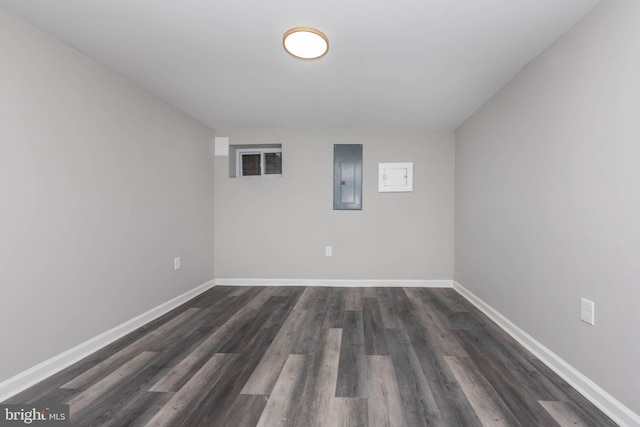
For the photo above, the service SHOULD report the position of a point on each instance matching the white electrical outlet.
(328, 251)
(587, 311)
(177, 263)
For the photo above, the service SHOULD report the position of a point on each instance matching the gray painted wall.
(548, 198)
(277, 228)
(101, 186)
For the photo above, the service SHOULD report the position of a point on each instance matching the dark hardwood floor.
(295, 356)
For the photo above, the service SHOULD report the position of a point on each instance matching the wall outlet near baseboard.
(328, 251)
(177, 263)
(587, 311)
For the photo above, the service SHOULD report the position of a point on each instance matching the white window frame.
(261, 151)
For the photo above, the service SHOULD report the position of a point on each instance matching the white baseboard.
(337, 283)
(26, 379)
(603, 400)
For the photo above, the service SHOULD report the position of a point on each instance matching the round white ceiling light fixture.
(305, 43)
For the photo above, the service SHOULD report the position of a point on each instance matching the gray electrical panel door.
(347, 177)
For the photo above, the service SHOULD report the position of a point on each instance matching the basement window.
(256, 160)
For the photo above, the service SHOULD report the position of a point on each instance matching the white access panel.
(221, 147)
(395, 177)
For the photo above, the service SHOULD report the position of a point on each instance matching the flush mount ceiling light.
(305, 43)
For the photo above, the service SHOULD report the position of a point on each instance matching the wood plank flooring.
(296, 356)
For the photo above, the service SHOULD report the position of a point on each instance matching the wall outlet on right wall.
(587, 311)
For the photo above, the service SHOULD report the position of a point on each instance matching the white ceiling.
(401, 64)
